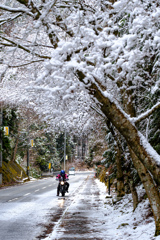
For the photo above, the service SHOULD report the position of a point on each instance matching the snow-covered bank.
(122, 223)
(92, 216)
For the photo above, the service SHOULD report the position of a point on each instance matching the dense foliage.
(10, 120)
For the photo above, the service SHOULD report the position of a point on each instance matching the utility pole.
(28, 146)
(28, 161)
(1, 123)
(64, 148)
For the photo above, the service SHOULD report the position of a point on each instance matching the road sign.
(6, 131)
(49, 166)
(32, 142)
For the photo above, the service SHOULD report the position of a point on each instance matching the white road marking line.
(37, 190)
(26, 194)
(43, 187)
(12, 199)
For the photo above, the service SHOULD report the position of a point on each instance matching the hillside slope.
(12, 173)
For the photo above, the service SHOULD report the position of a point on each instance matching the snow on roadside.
(120, 220)
(103, 219)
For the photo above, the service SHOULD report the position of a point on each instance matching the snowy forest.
(80, 65)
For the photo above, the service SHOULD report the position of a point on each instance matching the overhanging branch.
(3, 21)
(25, 64)
(146, 114)
(25, 49)
(17, 10)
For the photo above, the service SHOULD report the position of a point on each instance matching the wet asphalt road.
(31, 211)
(80, 216)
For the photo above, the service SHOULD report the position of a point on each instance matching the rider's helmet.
(62, 172)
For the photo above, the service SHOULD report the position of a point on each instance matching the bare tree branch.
(25, 49)
(15, 10)
(25, 64)
(3, 21)
(146, 114)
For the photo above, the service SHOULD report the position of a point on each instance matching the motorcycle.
(62, 186)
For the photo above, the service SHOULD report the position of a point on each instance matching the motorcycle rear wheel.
(63, 193)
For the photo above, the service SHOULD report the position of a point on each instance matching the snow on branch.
(3, 21)
(25, 49)
(14, 10)
(146, 114)
(25, 64)
(98, 111)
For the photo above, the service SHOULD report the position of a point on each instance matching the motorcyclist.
(65, 177)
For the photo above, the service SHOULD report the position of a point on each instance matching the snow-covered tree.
(58, 55)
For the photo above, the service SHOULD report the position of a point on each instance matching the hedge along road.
(31, 210)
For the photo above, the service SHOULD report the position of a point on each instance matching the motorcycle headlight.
(62, 183)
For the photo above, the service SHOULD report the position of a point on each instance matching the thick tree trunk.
(142, 160)
(132, 136)
(130, 187)
(120, 178)
(123, 124)
(129, 108)
(134, 193)
(151, 190)
(149, 184)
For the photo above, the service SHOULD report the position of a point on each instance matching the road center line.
(43, 187)
(26, 194)
(12, 199)
(37, 190)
